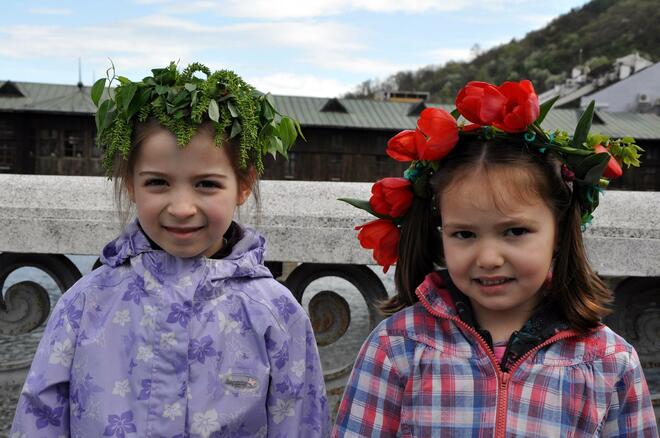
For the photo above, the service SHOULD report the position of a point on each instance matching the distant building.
(50, 129)
(630, 84)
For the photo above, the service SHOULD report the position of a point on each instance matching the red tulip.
(391, 196)
(521, 108)
(440, 134)
(382, 236)
(481, 103)
(402, 147)
(613, 169)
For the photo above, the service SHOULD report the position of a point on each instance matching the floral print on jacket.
(154, 345)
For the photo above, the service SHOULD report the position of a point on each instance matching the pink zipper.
(502, 377)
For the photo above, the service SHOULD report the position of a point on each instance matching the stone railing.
(311, 238)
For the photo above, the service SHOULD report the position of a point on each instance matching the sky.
(290, 47)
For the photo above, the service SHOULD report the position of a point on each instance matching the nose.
(489, 256)
(181, 205)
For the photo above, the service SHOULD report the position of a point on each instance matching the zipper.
(502, 377)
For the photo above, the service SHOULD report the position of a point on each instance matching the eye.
(155, 182)
(463, 235)
(516, 232)
(208, 184)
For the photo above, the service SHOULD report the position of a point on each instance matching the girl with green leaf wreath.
(507, 339)
(182, 331)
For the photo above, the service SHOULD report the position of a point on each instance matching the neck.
(501, 323)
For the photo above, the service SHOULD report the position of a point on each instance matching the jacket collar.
(245, 259)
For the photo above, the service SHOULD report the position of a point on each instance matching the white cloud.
(287, 9)
(300, 85)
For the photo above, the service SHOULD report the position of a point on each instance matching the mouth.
(182, 231)
(493, 281)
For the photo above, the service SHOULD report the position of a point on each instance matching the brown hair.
(579, 293)
(122, 168)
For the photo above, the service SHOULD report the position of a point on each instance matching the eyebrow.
(202, 176)
(516, 222)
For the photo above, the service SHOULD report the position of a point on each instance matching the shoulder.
(401, 334)
(267, 297)
(601, 347)
(416, 324)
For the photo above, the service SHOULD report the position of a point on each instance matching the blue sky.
(312, 47)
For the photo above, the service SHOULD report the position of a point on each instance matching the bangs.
(499, 185)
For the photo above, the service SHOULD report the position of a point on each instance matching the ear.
(243, 194)
(245, 187)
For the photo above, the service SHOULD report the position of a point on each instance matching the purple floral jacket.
(151, 345)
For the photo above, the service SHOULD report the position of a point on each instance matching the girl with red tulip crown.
(506, 339)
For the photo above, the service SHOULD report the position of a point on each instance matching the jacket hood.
(434, 294)
(245, 259)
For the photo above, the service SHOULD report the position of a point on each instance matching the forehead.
(160, 150)
(508, 192)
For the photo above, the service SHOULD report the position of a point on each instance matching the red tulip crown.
(502, 113)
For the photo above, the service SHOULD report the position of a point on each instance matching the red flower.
(402, 147)
(382, 236)
(391, 196)
(613, 169)
(440, 134)
(521, 108)
(481, 103)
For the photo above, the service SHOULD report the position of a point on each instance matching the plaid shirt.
(425, 373)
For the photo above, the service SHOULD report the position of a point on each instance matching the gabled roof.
(48, 98)
(10, 89)
(358, 114)
(333, 106)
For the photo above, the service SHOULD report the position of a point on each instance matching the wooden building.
(49, 129)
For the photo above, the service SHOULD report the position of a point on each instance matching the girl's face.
(185, 197)
(498, 245)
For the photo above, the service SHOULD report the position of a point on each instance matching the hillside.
(602, 30)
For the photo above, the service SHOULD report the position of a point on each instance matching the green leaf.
(105, 115)
(362, 205)
(232, 109)
(214, 111)
(287, 132)
(585, 167)
(235, 129)
(583, 126)
(162, 89)
(129, 92)
(97, 91)
(190, 87)
(270, 99)
(594, 174)
(544, 108)
(276, 146)
(123, 80)
(455, 114)
(299, 130)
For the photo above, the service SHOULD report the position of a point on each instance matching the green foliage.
(181, 101)
(594, 34)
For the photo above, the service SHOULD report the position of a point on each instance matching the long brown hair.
(575, 287)
(123, 167)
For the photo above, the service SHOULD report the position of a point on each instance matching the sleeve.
(630, 412)
(297, 404)
(371, 405)
(43, 406)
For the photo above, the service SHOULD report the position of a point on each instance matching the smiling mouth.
(492, 282)
(181, 230)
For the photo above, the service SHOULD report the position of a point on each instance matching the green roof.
(334, 112)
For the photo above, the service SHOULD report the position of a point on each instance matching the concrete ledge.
(303, 222)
